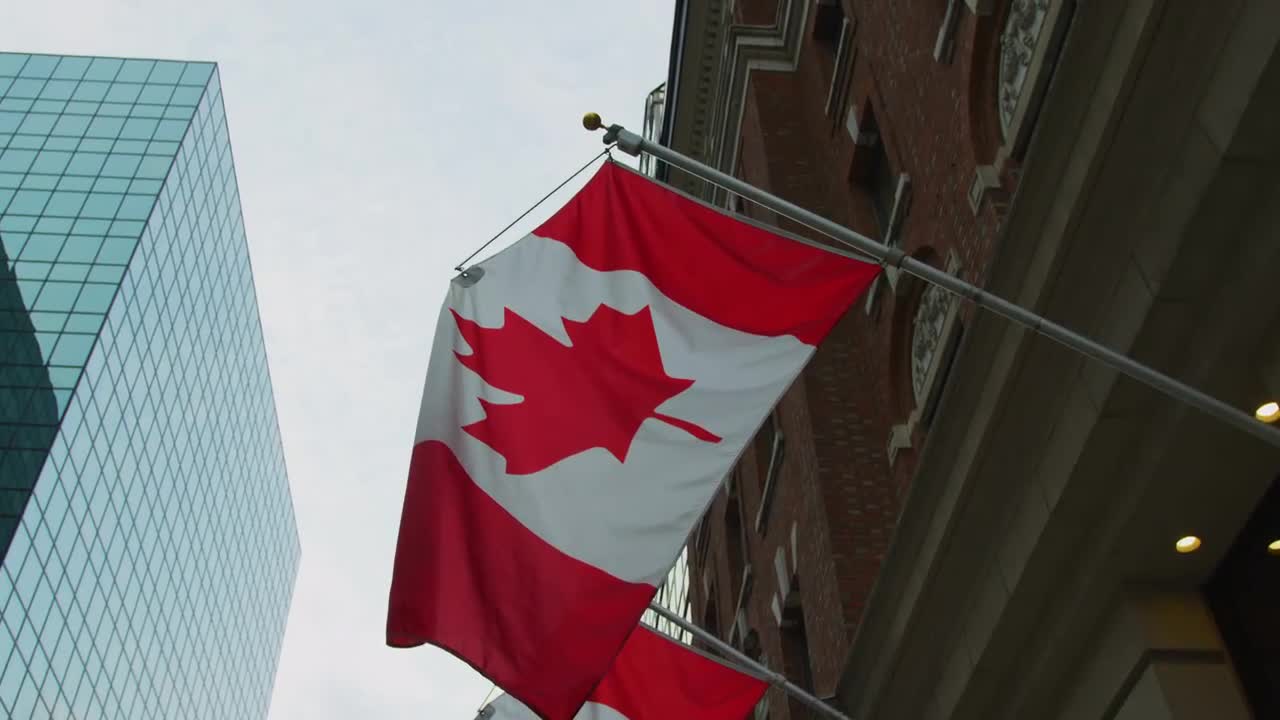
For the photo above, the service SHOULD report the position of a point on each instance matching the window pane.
(80, 249)
(197, 74)
(71, 68)
(91, 91)
(38, 124)
(123, 166)
(28, 202)
(102, 205)
(85, 163)
(51, 162)
(58, 90)
(124, 92)
(16, 160)
(72, 125)
(65, 204)
(39, 66)
(136, 207)
(139, 129)
(11, 63)
(181, 96)
(25, 88)
(156, 94)
(103, 69)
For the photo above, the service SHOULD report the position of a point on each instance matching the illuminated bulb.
(1190, 543)
(1274, 547)
(1268, 412)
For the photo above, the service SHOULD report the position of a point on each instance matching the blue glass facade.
(144, 504)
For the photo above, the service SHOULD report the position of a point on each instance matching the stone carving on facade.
(927, 339)
(1018, 44)
(933, 334)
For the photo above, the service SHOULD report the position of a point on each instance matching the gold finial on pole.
(629, 143)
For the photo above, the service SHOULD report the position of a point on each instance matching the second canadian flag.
(655, 678)
(585, 396)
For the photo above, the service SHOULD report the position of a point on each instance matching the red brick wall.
(836, 487)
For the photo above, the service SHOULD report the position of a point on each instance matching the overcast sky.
(376, 144)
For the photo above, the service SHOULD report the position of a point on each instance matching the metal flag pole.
(754, 666)
(633, 144)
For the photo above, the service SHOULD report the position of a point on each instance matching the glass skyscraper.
(150, 548)
(673, 595)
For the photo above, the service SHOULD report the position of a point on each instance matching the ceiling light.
(1187, 544)
(1268, 412)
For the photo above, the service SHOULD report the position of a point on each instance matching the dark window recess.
(751, 645)
(827, 24)
(701, 541)
(769, 446)
(711, 618)
(872, 172)
(795, 654)
(1243, 594)
(838, 92)
(733, 542)
(880, 179)
(883, 187)
(764, 446)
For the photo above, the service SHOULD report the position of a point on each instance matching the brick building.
(943, 501)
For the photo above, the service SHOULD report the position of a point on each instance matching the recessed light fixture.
(1187, 544)
(1268, 412)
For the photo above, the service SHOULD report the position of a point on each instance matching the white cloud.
(376, 143)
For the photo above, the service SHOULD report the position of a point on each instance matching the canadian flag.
(586, 393)
(655, 678)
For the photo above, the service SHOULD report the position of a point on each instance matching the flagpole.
(634, 144)
(754, 666)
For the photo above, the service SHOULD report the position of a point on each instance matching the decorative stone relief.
(927, 338)
(1017, 48)
(933, 330)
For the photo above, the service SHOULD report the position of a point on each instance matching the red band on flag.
(730, 272)
(471, 579)
(655, 678)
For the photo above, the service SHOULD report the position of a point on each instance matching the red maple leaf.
(594, 392)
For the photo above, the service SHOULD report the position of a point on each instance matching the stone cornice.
(711, 100)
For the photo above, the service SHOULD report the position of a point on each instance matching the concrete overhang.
(1147, 217)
